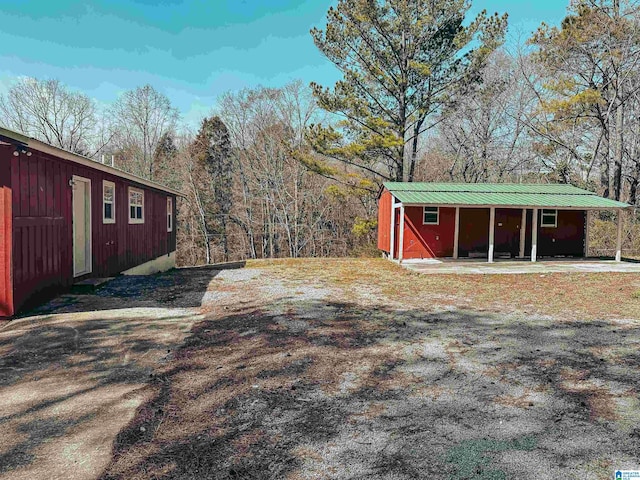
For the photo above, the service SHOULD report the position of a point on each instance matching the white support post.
(619, 238)
(534, 235)
(587, 218)
(392, 235)
(492, 225)
(456, 234)
(401, 239)
(523, 233)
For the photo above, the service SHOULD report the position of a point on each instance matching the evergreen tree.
(401, 61)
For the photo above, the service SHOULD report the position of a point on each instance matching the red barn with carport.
(436, 220)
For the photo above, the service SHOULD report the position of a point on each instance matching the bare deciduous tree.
(141, 118)
(483, 133)
(49, 111)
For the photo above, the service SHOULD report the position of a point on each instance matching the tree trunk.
(635, 182)
(604, 164)
(414, 149)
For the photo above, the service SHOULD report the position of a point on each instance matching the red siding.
(565, 239)
(384, 221)
(428, 241)
(43, 229)
(507, 231)
(6, 287)
(432, 241)
(474, 231)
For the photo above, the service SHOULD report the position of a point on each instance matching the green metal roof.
(499, 194)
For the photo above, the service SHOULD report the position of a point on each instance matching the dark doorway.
(473, 240)
(507, 232)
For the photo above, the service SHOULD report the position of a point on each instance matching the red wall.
(507, 231)
(474, 231)
(384, 221)
(6, 287)
(43, 229)
(566, 239)
(428, 241)
(432, 241)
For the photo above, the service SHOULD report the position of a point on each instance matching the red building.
(65, 218)
(432, 220)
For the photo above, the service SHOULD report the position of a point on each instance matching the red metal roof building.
(434, 220)
(65, 218)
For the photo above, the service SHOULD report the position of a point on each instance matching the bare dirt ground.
(342, 369)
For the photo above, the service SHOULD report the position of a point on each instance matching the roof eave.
(554, 207)
(36, 144)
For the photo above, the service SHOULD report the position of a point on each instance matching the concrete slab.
(475, 266)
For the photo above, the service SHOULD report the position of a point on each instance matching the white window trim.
(555, 218)
(437, 212)
(89, 226)
(135, 220)
(106, 183)
(169, 214)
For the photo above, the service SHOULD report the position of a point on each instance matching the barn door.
(81, 218)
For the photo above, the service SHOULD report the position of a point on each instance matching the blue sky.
(190, 50)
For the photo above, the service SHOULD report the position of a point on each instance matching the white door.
(81, 226)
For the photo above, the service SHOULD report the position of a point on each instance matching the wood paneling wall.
(43, 228)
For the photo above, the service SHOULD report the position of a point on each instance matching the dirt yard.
(337, 369)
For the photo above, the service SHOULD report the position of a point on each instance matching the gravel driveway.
(310, 369)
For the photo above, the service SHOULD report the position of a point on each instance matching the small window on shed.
(108, 202)
(136, 206)
(549, 218)
(431, 216)
(169, 214)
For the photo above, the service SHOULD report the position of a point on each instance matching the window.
(136, 206)
(169, 214)
(431, 216)
(549, 218)
(108, 202)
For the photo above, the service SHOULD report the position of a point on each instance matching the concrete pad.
(482, 267)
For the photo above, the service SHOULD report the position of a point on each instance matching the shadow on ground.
(177, 288)
(73, 377)
(325, 389)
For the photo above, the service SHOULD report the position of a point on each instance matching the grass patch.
(565, 295)
(472, 461)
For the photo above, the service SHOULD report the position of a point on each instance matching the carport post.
(456, 234)
(392, 235)
(492, 225)
(587, 217)
(534, 235)
(401, 239)
(619, 237)
(523, 232)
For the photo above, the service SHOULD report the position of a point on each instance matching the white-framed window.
(136, 205)
(431, 215)
(108, 202)
(549, 218)
(169, 214)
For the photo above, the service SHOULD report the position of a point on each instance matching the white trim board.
(88, 246)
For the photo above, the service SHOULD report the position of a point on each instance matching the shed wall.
(428, 241)
(384, 221)
(6, 287)
(565, 239)
(474, 231)
(43, 228)
(433, 241)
